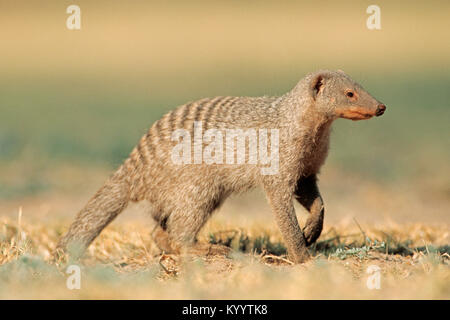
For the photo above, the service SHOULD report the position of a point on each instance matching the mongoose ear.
(317, 86)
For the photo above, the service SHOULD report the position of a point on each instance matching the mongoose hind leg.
(183, 226)
(307, 193)
(164, 242)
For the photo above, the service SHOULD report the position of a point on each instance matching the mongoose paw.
(313, 228)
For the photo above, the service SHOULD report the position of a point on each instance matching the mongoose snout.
(380, 110)
(347, 98)
(184, 194)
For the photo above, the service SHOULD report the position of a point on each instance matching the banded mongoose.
(182, 196)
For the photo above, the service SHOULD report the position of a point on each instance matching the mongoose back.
(182, 196)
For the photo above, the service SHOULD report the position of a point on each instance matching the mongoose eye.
(350, 94)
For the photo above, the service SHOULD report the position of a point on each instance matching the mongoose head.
(338, 96)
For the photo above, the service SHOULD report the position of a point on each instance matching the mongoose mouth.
(355, 114)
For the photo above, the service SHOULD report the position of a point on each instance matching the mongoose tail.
(109, 201)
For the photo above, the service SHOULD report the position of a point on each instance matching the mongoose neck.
(300, 109)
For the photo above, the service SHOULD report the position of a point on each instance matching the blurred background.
(73, 103)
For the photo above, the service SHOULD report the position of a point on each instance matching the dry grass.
(124, 262)
(403, 233)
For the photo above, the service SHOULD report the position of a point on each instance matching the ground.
(124, 262)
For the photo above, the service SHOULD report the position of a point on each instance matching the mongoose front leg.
(307, 193)
(283, 208)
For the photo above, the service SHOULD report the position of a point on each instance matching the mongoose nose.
(380, 110)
